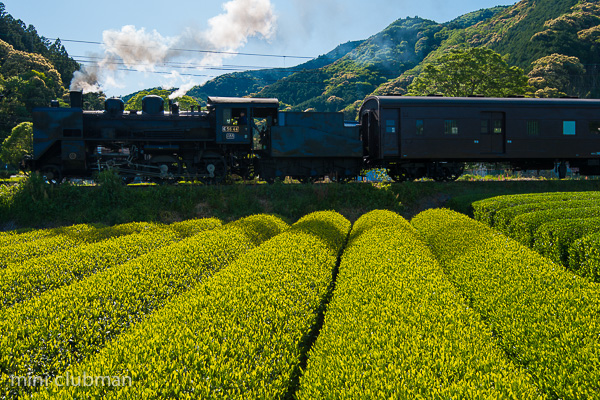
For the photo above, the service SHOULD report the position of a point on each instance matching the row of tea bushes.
(20, 249)
(8, 238)
(485, 210)
(504, 218)
(397, 328)
(36, 276)
(584, 256)
(545, 317)
(524, 227)
(239, 335)
(551, 227)
(42, 337)
(555, 239)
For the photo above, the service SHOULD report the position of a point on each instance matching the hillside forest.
(535, 48)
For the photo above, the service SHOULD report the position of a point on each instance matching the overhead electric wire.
(236, 53)
(231, 77)
(170, 64)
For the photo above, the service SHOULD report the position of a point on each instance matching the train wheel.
(51, 173)
(453, 172)
(213, 169)
(399, 174)
(307, 179)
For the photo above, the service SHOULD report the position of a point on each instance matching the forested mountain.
(250, 82)
(352, 71)
(33, 71)
(25, 38)
(556, 36)
(556, 42)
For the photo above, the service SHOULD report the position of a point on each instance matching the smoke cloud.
(137, 49)
(86, 79)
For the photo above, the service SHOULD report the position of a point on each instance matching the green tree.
(185, 102)
(475, 71)
(135, 103)
(18, 144)
(94, 101)
(557, 75)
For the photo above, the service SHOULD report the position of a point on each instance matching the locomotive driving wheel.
(454, 174)
(51, 173)
(212, 168)
(399, 174)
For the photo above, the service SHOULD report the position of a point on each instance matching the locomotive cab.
(243, 121)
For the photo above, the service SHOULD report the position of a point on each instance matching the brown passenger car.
(434, 136)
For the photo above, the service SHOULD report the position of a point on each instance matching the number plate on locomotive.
(234, 129)
(230, 136)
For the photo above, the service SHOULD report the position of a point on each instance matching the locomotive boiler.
(411, 137)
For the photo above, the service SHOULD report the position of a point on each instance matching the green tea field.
(501, 306)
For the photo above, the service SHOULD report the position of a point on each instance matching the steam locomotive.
(411, 137)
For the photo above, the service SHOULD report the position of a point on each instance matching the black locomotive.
(412, 137)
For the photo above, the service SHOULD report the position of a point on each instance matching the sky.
(132, 45)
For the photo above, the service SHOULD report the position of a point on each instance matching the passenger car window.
(569, 127)
(390, 126)
(451, 127)
(420, 127)
(533, 128)
(595, 127)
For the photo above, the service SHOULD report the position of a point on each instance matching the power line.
(288, 80)
(235, 53)
(171, 64)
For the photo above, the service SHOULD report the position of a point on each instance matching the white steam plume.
(183, 89)
(144, 51)
(86, 79)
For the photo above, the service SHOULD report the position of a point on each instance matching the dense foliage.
(396, 327)
(245, 326)
(442, 307)
(463, 73)
(544, 317)
(125, 242)
(25, 38)
(67, 325)
(18, 144)
(561, 226)
(185, 102)
(33, 71)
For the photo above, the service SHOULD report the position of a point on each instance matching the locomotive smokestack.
(76, 97)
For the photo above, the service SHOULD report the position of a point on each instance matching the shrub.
(240, 334)
(544, 317)
(584, 256)
(485, 210)
(553, 239)
(36, 276)
(397, 328)
(17, 250)
(524, 227)
(504, 218)
(42, 337)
